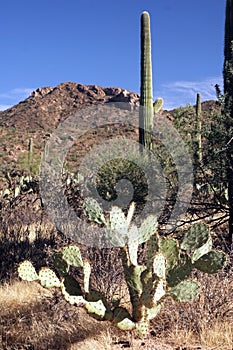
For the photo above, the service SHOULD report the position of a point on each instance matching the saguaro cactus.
(146, 88)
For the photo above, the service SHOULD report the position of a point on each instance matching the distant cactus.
(199, 155)
(30, 155)
(158, 105)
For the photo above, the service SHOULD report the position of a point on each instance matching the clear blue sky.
(46, 42)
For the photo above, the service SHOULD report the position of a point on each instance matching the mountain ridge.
(37, 116)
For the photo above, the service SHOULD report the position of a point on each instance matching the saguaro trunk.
(146, 89)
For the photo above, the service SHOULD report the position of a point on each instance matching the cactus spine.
(228, 103)
(146, 88)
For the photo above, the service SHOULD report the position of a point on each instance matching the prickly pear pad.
(72, 255)
(27, 271)
(48, 278)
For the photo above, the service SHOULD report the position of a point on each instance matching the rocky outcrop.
(47, 106)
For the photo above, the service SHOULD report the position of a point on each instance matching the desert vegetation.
(150, 288)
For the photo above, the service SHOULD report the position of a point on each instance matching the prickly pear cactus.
(166, 272)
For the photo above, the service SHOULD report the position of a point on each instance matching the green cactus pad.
(195, 237)
(159, 291)
(126, 324)
(117, 219)
(205, 249)
(118, 231)
(159, 265)
(153, 312)
(27, 271)
(147, 229)
(152, 248)
(142, 329)
(93, 211)
(150, 283)
(122, 319)
(60, 264)
(96, 309)
(72, 255)
(133, 244)
(169, 248)
(185, 291)
(180, 272)
(86, 275)
(95, 296)
(130, 213)
(77, 300)
(48, 278)
(211, 262)
(134, 277)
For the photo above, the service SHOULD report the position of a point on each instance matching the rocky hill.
(46, 107)
(37, 116)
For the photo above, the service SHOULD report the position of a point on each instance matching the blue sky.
(47, 42)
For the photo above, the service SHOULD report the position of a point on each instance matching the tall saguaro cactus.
(228, 103)
(146, 89)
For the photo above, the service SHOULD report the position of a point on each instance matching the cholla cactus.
(166, 272)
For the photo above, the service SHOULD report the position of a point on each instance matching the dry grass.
(207, 322)
(32, 317)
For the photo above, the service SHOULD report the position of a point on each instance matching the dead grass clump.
(34, 318)
(207, 322)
